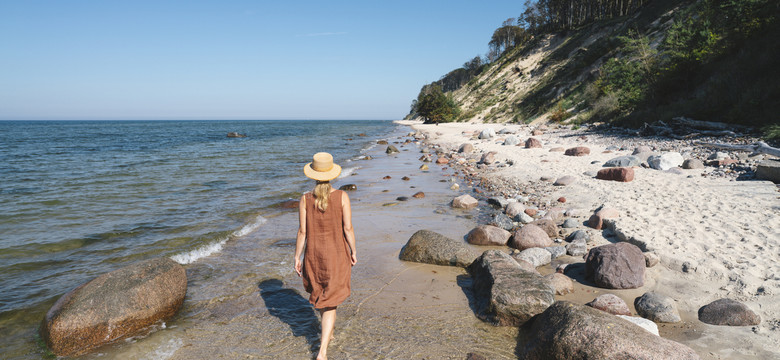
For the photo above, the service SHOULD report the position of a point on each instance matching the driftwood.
(682, 121)
(682, 128)
(757, 148)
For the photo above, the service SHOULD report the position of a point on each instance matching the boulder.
(623, 161)
(616, 266)
(532, 143)
(487, 133)
(502, 221)
(576, 332)
(769, 170)
(578, 235)
(577, 151)
(556, 251)
(577, 248)
(548, 226)
(596, 221)
(391, 149)
(692, 164)
(114, 306)
(433, 248)
(657, 307)
(511, 140)
(665, 161)
(464, 201)
(348, 187)
(565, 180)
(622, 174)
(488, 158)
(466, 148)
(560, 283)
(530, 236)
(648, 325)
(610, 303)
(488, 235)
(535, 256)
(728, 312)
(514, 208)
(506, 294)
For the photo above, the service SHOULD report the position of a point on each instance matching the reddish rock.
(464, 202)
(488, 235)
(596, 221)
(616, 266)
(419, 195)
(577, 151)
(533, 143)
(289, 204)
(621, 174)
(388, 177)
(488, 158)
(530, 236)
(381, 142)
(114, 306)
(405, 178)
(548, 226)
(722, 162)
(531, 212)
(442, 160)
(610, 303)
(561, 199)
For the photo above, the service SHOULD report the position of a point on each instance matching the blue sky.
(232, 59)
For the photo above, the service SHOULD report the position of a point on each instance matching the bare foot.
(321, 356)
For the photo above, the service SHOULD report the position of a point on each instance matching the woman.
(327, 236)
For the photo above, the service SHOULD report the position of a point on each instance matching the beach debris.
(235, 135)
(728, 312)
(506, 294)
(530, 236)
(391, 149)
(621, 174)
(616, 266)
(114, 306)
(566, 328)
(429, 247)
(487, 133)
(536, 256)
(610, 303)
(419, 195)
(464, 201)
(665, 161)
(657, 307)
(488, 235)
(390, 204)
(348, 187)
(533, 143)
(560, 283)
(565, 180)
(577, 151)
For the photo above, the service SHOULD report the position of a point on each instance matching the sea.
(81, 198)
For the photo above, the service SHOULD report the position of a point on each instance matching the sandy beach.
(716, 237)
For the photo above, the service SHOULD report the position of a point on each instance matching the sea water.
(81, 198)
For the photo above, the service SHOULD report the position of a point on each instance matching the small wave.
(208, 249)
(348, 171)
(166, 350)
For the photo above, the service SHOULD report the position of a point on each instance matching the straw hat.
(322, 167)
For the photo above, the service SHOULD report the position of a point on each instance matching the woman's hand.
(298, 266)
(353, 259)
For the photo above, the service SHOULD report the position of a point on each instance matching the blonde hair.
(321, 195)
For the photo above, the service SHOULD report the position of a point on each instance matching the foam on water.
(345, 172)
(208, 249)
(165, 351)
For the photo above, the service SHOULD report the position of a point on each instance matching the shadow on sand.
(289, 306)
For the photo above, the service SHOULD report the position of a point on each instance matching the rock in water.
(114, 306)
(505, 293)
(616, 266)
(728, 312)
(465, 201)
(235, 135)
(391, 149)
(348, 187)
(433, 248)
(657, 307)
(502, 221)
(488, 235)
(575, 332)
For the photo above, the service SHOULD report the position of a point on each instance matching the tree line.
(545, 16)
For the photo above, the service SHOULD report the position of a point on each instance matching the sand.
(716, 238)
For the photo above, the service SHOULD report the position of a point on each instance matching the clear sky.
(232, 59)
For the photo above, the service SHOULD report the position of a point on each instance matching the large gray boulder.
(665, 161)
(114, 306)
(728, 312)
(769, 170)
(575, 332)
(429, 247)
(505, 293)
(656, 307)
(488, 235)
(616, 266)
(623, 161)
(487, 133)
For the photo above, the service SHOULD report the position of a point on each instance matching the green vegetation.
(435, 106)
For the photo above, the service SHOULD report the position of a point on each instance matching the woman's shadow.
(292, 308)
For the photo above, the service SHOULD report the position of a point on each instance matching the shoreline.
(709, 231)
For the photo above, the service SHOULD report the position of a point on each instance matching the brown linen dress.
(327, 265)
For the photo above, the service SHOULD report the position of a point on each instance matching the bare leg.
(328, 322)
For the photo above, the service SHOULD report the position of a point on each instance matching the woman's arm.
(300, 242)
(349, 232)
